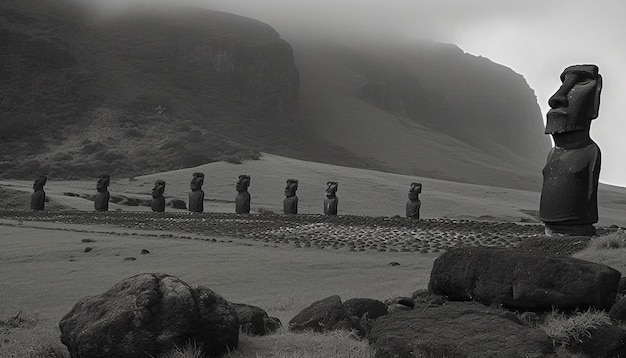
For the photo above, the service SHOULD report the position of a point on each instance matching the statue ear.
(595, 107)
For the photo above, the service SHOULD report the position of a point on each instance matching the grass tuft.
(613, 240)
(567, 330)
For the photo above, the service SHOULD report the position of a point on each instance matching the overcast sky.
(536, 38)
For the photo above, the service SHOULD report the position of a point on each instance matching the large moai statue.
(38, 197)
(242, 200)
(101, 201)
(331, 201)
(414, 203)
(290, 204)
(569, 203)
(196, 196)
(158, 199)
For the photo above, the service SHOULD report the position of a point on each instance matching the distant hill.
(154, 90)
(424, 108)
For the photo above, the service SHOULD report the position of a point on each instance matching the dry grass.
(45, 264)
(567, 330)
(615, 240)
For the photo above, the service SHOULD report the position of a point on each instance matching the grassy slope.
(361, 192)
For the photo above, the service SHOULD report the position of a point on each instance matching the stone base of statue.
(413, 209)
(158, 204)
(242, 203)
(290, 205)
(101, 201)
(570, 230)
(196, 201)
(37, 200)
(330, 206)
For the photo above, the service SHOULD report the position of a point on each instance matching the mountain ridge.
(146, 91)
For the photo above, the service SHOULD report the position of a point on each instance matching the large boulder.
(148, 315)
(254, 320)
(325, 315)
(457, 330)
(522, 279)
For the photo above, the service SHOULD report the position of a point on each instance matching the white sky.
(536, 38)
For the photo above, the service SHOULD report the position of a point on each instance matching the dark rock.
(522, 279)
(255, 321)
(456, 330)
(324, 315)
(425, 298)
(178, 204)
(87, 249)
(606, 341)
(145, 251)
(148, 315)
(130, 258)
(399, 304)
(618, 311)
(360, 307)
(621, 287)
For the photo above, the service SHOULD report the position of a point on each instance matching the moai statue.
(290, 204)
(38, 197)
(331, 201)
(196, 196)
(569, 203)
(242, 201)
(158, 200)
(414, 203)
(101, 201)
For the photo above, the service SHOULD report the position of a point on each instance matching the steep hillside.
(424, 108)
(133, 93)
(147, 90)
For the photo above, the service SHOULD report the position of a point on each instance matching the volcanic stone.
(456, 330)
(522, 279)
(149, 315)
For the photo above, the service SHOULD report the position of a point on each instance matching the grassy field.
(361, 192)
(46, 268)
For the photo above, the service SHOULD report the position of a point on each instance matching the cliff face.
(424, 108)
(149, 90)
(84, 94)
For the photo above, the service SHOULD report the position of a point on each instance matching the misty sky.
(536, 38)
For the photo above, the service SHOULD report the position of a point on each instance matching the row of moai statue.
(242, 200)
(568, 203)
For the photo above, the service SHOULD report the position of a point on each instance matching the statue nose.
(559, 99)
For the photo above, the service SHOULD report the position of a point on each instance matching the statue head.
(197, 181)
(39, 182)
(290, 189)
(576, 102)
(414, 191)
(243, 183)
(103, 183)
(331, 188)
(158, 189)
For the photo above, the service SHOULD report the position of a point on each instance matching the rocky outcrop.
(149, 314)
(254, 320)
(325, 315)
(523, 279)
(456, 330)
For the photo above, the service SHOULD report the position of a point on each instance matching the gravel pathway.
(355, 233)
